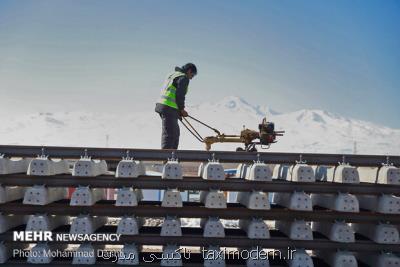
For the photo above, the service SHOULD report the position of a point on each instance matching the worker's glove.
(184, 113)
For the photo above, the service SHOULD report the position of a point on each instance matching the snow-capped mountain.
(306, 130)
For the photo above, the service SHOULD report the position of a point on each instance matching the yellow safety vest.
(168, 94)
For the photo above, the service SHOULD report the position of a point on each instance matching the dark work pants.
(170, 130)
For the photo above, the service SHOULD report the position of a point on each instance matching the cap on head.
(190, 66)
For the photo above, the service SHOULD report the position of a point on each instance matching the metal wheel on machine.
(253, 149)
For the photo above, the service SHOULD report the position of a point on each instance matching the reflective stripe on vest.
(168, 94)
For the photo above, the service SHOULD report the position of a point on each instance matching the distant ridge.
(307, 130)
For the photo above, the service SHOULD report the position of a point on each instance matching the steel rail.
(195, 210)
(197, 183)
(194, 155)
(232, 241)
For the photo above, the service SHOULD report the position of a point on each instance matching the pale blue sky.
(341, 56)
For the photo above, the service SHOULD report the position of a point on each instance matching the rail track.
(192, 236)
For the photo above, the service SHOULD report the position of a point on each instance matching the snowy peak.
(311, 116)
(319, 117)
(235, 104)
(315, 116)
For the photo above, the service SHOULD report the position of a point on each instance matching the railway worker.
(171, 106)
